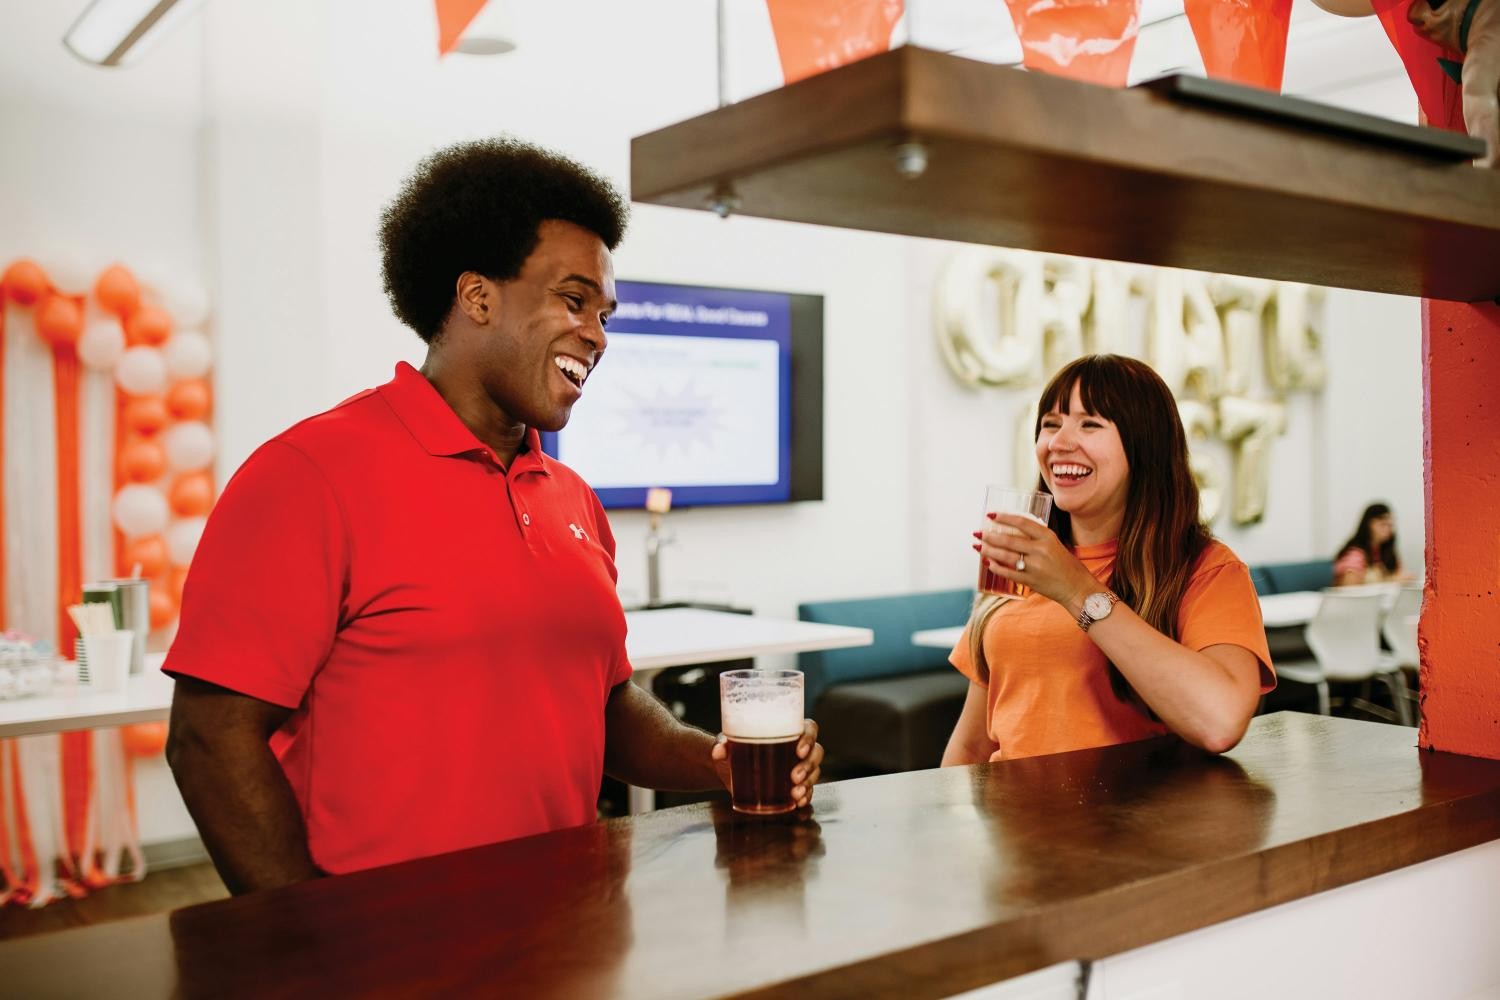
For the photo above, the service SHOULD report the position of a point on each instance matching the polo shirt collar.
(430, 419)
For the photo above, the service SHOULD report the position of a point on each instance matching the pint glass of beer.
(761, 712)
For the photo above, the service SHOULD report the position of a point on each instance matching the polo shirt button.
(526, 519)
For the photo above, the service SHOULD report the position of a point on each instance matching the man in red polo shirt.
(401, 634)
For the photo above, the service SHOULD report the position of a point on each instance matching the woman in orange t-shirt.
(1138, 622)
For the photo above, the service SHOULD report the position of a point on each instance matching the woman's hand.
(1045, 564)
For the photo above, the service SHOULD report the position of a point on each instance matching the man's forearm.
(646, 746)
(246, 813)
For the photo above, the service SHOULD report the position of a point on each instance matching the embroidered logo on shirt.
(578, 532)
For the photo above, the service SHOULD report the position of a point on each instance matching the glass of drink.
(1004, 500)
(761, 713)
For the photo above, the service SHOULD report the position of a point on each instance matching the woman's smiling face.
(1083, 461)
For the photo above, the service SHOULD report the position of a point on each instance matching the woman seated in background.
(1138, 623)
(1370, 555)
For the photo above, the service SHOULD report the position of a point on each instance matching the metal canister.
(135, 613)
(104, 592)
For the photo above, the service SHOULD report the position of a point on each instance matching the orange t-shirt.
(1049, 685)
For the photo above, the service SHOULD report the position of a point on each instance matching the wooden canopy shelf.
(1042, 163)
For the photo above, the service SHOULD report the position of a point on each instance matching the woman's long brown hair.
(1162, 536)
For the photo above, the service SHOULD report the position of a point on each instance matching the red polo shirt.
(446, 629)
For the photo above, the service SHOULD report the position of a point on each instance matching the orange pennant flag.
(1242, 40)
(813, 36)
(453, 17)
(1089, 40)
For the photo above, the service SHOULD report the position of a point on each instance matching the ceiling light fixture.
(118, 32)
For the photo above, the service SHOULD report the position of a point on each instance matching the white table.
(147, 698)
(680, 637)
(1298, 607)
(1277, 611)
(938, 638)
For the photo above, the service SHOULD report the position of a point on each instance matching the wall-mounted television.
(714, 393)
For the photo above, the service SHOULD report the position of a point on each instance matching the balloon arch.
(131, 429)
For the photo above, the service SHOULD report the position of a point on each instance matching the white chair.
(1307, 672)
(1399, 627)
(1344, 637)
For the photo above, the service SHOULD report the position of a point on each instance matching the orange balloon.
(163, 607)
(117, 291)
(59, 320)
(24, 282)
(176, 580)
(146, 415)
(189, 399)
(144, 739)
(142, 460)
(148, 326)
(150, 552)
(192, 495)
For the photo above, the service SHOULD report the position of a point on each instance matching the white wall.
(274, 132)
(97, 166)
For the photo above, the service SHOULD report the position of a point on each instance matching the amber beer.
(761, 712)
(1003, 500)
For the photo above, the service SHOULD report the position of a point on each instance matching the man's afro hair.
(476, 207)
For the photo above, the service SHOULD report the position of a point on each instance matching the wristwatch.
(1096, 607)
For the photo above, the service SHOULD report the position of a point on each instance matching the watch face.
(1097, 605)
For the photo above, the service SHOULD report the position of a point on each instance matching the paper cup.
(108, 656)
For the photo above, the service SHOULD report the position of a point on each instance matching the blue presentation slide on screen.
(692, 394)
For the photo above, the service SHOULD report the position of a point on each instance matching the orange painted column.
(1460, 631)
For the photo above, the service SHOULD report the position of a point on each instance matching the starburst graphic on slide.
(663, 420)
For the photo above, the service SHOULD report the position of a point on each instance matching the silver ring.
(1021, 565)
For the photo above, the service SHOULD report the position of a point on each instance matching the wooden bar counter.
(919, 884)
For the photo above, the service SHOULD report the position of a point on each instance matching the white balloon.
(140, 510)
(186, 302)
(189, 445)
(71, 274)
(182, 539)
(188, 354)
(141, 371)
(102, 343)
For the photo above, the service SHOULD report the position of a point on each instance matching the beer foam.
(764, 716)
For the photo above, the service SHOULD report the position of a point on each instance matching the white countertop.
(671, 637)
